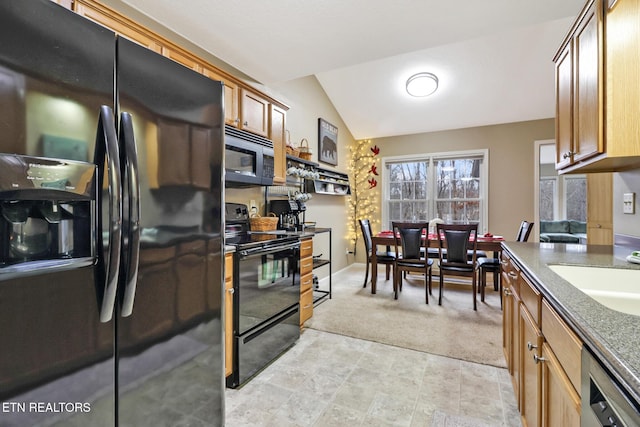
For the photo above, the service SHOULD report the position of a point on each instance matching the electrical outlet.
(629, 203)
(253, 208)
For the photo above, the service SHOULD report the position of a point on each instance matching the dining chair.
(411, 241)
(458, 240)
(492, 265)
(387, 257)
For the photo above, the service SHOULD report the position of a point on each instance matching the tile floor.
(332, 380)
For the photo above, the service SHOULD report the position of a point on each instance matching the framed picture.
(327, 142)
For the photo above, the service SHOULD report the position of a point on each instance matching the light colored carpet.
(452, 329)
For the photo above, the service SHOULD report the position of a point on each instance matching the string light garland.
(364, 164)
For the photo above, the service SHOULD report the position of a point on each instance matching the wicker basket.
(264, 223)
(305, 151)
(291, 150)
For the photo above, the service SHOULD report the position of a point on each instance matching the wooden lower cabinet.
(228, 314)
(530, 346)
(306, 280)
(543, 354)
(559, 400)
(510, 321)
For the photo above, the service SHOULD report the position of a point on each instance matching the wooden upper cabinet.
(277, 133)
(244, 108)
(181, 57)
(587, 86)
(579, 88)
(564, 105)
(254, 112)
(622, 47)
(230, 96)
(117, 23)
(64, 3)
(597, 89)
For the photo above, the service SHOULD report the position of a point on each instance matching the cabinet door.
(181, 58)
(564, 106)
(587, 130)
(622, 84)
(254, 113)
(600, 209)
(64, 3)
(530, 346)
(516, 350)
(230, 96)
(507, 330)
(277, 133)
(560, 402)
(118, 23)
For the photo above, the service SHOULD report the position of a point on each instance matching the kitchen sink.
(616, 288)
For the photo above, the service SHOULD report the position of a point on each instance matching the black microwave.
(248, 158)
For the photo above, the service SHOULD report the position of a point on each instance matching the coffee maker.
(290, 214)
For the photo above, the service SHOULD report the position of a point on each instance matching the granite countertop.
(614, 337)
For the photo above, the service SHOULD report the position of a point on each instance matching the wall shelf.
(329, 182)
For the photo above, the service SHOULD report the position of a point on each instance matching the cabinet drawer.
(228, 267)
(306, 248)
(510, 273)
(306, 306)
(531, 298)
(564, 343)
(306, 265)
(306, 282)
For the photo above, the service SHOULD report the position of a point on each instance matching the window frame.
(430, 158)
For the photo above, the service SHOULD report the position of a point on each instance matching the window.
(563, 197)
(548, 198)
(575, 198)
(451, 186)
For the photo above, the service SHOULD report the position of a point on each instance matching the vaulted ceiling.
(493, 58)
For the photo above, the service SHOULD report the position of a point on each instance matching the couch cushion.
(554, 226)
(559, 238)
(576, 227)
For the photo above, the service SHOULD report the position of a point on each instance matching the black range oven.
(266, 298)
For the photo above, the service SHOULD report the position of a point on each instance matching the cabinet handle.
(236, 121)
(507, 292)
(531, 346)
(598, 225)
(307, 306)
(512, 275)
(245, 124)
(231, 291)
(568, 154)
(537, 359)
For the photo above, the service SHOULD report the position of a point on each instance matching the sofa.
(563, 231)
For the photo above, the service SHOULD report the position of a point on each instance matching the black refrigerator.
(111, 186)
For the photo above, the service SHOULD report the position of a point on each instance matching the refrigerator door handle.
(127, 139)
(109, 263)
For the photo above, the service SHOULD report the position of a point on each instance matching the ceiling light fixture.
(422, 84)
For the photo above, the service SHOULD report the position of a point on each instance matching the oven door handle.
(266, 251)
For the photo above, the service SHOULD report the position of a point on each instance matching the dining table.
(386, 238)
